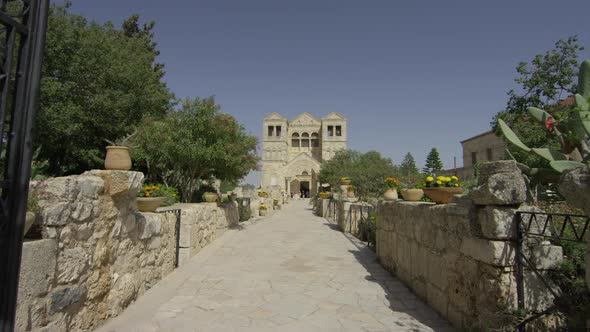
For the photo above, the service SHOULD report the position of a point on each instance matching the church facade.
(292, 151)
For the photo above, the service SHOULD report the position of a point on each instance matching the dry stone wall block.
(497, 253)
(500, 183)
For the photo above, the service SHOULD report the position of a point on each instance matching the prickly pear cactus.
(573, 134)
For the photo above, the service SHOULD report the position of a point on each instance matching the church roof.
(334, 116)
(303, 115)
(275, 116)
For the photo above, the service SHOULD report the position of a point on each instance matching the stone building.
(292, 151)
(481, 148)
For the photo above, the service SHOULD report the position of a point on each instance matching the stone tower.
(292, 151)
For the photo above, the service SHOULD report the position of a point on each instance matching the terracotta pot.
(412, 195)
(350, 193)
(149, 204)
(263, 212)
(442, 195)
(29, 221)
(210, 198)
(117, 158)
(390, 195)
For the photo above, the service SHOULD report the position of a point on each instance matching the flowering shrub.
(442, 181)
(148, 190)
(392, 183)
(159, 190)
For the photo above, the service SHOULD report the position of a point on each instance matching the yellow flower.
(454, 178)
(447, 179)
(440, 178)
(439, 182)
(430, 179)
(148, 194)
(456, 184)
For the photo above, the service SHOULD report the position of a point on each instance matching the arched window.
(295, 140)
(305, 173)
(315, 140)
(305, 140)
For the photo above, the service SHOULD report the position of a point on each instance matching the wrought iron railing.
(364, 216)
(178, 214)
(23, 25)
(553, 227)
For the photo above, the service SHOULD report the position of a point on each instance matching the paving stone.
(289, 272)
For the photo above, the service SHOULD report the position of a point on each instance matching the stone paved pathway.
(290, 272)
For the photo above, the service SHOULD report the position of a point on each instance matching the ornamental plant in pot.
(442, 189)
(392, 185)
(150, 197)
(325, 194)
(117, 157)
(263, 210)
(345, 180)
(411, 189)
(262, 193)
(210, 197)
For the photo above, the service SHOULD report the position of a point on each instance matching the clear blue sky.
(408, 75)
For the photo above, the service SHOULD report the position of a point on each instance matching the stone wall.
(201, 224)
(98, 253)
(460, 257)
(347, 214)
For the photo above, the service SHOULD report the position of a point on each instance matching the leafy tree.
(547, 80)
(433, 164)
(408, 171)
(195, 143)
(98, 83)
(367, 171)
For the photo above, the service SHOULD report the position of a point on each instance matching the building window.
(338, 130)
(305, 140)
(489, 154)
(473, 158)
(278, 131)
(295, 140)
(330, 130)
(270, 131)
(315, 140)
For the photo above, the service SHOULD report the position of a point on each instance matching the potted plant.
(263, 210)
(442, 189)
(150, 197)
(345, 180)
(262, 193)
(411, 189)
(210, 197)
(325, 195)
(350, 192)
(392, 185)
(117, 157)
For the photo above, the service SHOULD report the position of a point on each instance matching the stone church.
(292, 151)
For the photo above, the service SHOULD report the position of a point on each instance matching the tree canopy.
(195, 143)
(367, 171)
(408, 172)
(433, 164)
(548, 79)
(98, 83)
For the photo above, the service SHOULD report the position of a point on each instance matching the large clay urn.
(117, 158)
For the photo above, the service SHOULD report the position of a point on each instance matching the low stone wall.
(98, 253)
(347, 213)
(201, 224)
(460, 257)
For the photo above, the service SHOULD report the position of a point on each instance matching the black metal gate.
(559, 229)
(22, 39)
